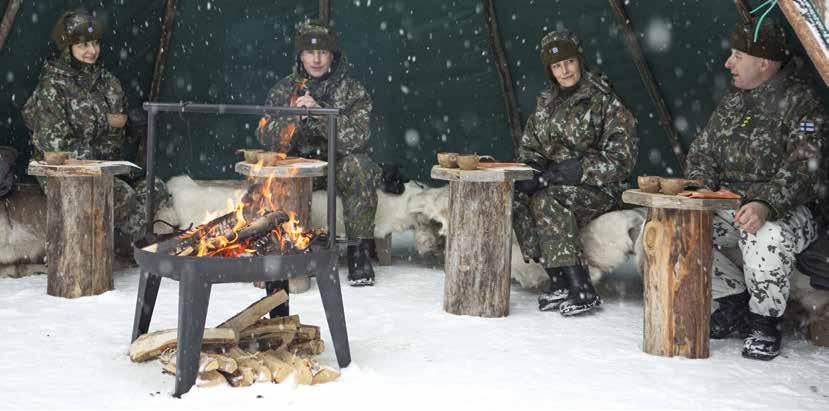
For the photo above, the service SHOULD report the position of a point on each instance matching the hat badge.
(555, 50)
(90, 29)
(314, 40)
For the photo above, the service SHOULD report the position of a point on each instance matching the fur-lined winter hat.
(559, 45)
(315, 35)
(76, 26)
(771, 41)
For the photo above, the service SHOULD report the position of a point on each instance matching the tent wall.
(427, 65)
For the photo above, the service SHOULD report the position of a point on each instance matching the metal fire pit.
(196, 275)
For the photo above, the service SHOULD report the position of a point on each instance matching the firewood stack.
(247, 348)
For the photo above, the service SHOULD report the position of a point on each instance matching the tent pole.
(810, 29)
(8, 20)
(635, 49)
(325, 11)
(497, 47)
(742, 7)
(163, 48)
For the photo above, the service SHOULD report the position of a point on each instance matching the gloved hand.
(567, 172)
(532, 185)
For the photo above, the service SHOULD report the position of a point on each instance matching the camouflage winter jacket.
(765, 143)
(591, 125)
(68, 110)
(338, 90)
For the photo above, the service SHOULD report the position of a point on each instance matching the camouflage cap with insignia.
(771, 41)
(76, 26)
(559, 45)
(315, 35)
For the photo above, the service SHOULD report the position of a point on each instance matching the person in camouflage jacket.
(763, 142)
(582, 142)
(78, 106)
(321, 79)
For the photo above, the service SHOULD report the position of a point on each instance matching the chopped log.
(324, 375)
(254, 312)
(307, 333)
(290, 322)
(651, 86)
(477, 278)
(300, 365)
(224, 363)
(248, 360)
(187, 244)
(80, 242)
(271, 341)
(206, 363)
(678, 255)
(210, 379)
(8, 20)
(307, 348)
(280, 370)
(260, 329)
(151, 345)
(242, 377)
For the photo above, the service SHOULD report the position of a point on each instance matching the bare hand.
(306, 101)
(116, 120)
(752, 216)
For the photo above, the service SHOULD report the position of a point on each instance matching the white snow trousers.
(768, 258)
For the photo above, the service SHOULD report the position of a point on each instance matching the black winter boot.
(582, 296)
(730, 316)
(360, 272)
(763, 342)
(556, 292)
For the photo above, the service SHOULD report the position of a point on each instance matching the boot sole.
(570, 311)
(363, 282)
(758, 356)
(551, 306)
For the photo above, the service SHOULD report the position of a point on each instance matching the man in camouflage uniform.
(320, 79)
(582, 142)
(78, 106)
(763, 142)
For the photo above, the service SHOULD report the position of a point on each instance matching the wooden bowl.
(673, 186)
(56, 158)
(251, 154)
(468, 161)
(448, 160)
(648, 184)
(270, 158)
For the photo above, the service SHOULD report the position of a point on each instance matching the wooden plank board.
(286, 169)
(656, 200)
(254, 312)
(149, 346)
(809, 27)
(80, 168)
(487, 175)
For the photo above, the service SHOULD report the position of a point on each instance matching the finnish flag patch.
(808, 126)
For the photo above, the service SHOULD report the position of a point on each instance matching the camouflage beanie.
(76, 26)
(559, 45)
(315, 35)
(770, 44)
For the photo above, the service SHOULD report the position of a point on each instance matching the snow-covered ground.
(407, 354)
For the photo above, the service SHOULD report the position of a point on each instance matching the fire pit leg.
(193, 298)
(332, 303)
(148, 284)
(273, 286)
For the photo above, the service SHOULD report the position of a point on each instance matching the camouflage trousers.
(768, 258)
(547, 222)
(358, 177)
(128, 213)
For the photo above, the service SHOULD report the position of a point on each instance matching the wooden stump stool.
(290, 184)
(79, 226)
(678, 255)
(478, 247)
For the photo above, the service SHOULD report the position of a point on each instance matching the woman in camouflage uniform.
(320, 79)
(78, 106)
(582, 142)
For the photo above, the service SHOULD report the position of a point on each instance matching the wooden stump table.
(290, 186)
(478, 248)
(79, 225)
(678, 255)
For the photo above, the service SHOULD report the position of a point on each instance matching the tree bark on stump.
(678, 256)
(478, 249)
(80, 240)
(293, 194)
